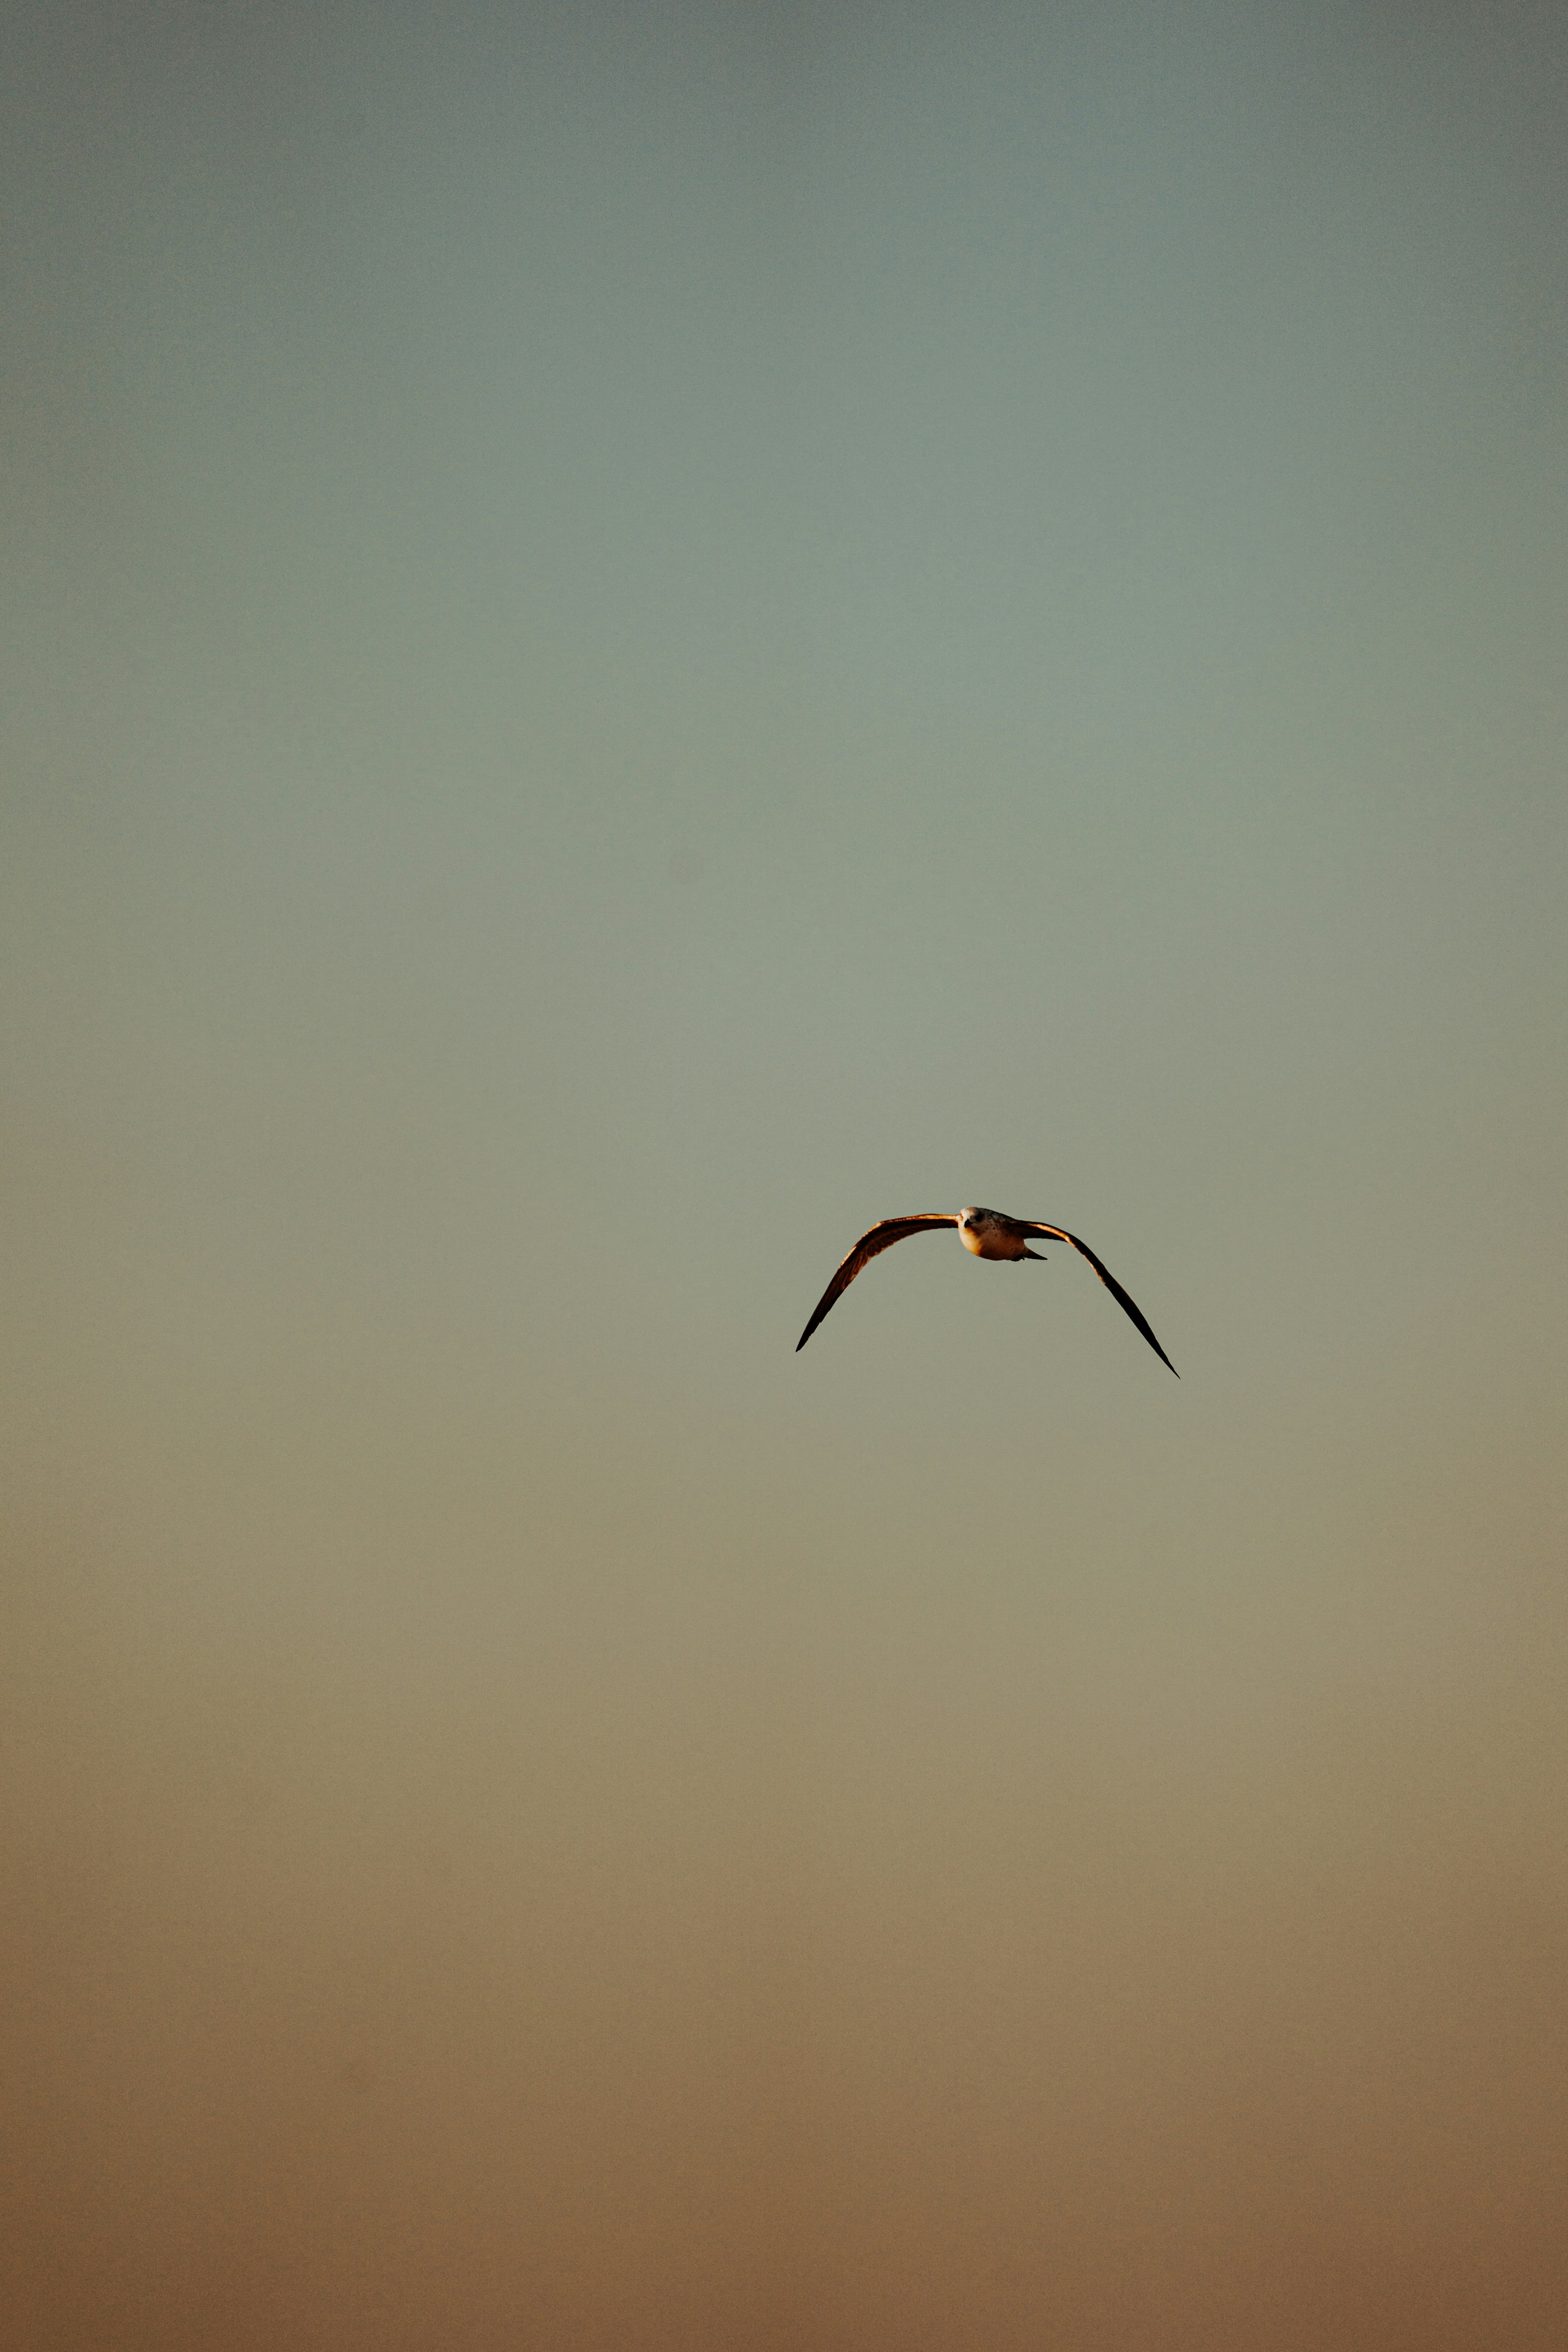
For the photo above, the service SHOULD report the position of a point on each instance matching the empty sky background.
(633, 637)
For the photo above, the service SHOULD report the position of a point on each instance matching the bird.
(988, 1234)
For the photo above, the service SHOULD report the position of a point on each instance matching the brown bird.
(988, 1234)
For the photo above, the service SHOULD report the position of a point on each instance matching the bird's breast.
(988, 1237)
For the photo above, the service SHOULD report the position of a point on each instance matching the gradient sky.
(633, 638)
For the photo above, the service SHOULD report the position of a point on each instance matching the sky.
(635, 636)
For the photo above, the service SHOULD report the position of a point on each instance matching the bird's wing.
(1058, 1234)
(870, 1245)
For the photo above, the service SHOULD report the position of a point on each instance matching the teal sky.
(633, 638)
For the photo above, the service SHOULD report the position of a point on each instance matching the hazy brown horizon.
(634, 638)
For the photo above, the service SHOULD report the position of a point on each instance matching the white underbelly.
(989, 1242)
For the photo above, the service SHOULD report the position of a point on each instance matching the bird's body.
(991, 1236)
(985, 1233)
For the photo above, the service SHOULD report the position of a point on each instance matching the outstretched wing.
(870, 1245)
(1059, 1233)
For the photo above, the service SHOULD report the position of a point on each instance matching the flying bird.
(988, 1234)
